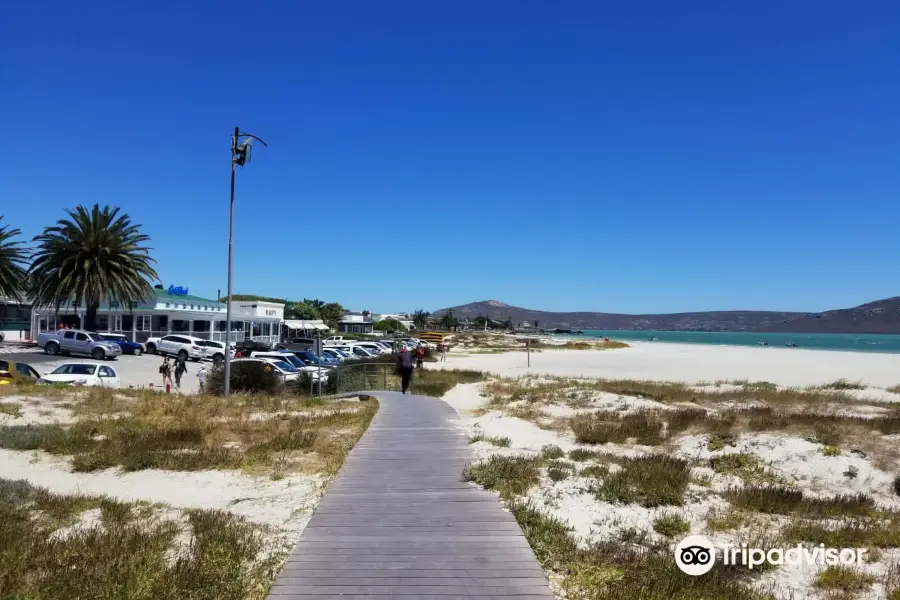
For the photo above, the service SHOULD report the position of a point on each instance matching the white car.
(215, 351)
(335, 340)
(83, 374)
(371, 347)
(291, 359)
(333, 353)
(181, 346)
(287, 371)
(356, 351)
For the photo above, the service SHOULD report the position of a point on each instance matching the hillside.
(881, 316)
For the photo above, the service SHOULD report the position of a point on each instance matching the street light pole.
(234, 142)
(240, 155)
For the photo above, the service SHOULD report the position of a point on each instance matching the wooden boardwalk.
(397, 522)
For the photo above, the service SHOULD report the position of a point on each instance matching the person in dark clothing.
(404, 364)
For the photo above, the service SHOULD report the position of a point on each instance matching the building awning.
(307, 325)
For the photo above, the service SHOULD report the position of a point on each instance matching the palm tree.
(420, 319)
(93, 255)
(13, 259)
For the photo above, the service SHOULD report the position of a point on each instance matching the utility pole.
(240, 155)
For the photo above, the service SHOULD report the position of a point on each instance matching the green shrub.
(254, 377)
(671, 525)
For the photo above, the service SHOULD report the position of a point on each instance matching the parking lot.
(133, 371)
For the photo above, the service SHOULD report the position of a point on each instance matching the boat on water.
(558, 330)
(791, 344)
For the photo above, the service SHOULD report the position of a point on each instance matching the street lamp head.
(242, 149)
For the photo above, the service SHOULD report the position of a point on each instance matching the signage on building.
(270, 313)
(178, 291)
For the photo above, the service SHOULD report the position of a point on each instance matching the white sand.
(795, 459)
(692, 363)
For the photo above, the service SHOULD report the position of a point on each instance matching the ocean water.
(855, 342)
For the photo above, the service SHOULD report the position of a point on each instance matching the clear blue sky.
(575, 155)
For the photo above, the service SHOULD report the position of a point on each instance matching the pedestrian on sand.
(444, 352)
(180, 370)
(404, 365)
(201, 375)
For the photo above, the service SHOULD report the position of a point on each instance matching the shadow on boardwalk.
(398, 522)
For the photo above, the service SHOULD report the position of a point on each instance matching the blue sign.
(178, 291)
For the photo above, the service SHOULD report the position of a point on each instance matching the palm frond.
(13, 263)
(92, 255)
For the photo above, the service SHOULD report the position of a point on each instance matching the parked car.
(73, 341)
(127, 346)
(253, 346)
(310, 358)
(10, 370)
(181, 346)
(91, 374)
(287, 371)
(335, 354)
(335, 340)
(292, 358)
(215, 351)
(372, 347)
(297, 344)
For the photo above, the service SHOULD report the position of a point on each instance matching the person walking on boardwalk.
(165, 369)
(404, 365)
(180, 370)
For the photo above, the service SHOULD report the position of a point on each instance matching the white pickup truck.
(72, 341)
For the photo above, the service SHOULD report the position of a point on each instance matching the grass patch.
(127, 556)
(846, 533)
(604, 427)
(503, 442)
(200, 432)
(556, 474)
(509, 475)
(432, 382)
(727, 520)
(10, 408)
(843, 384)
(830, 450)
(776, 499)
(652, 480)
(744, 466)
(843, 582)
(895, 485)
(581, 455)
(894, 389)
(612, 572)
(671, 525)
(551, 451)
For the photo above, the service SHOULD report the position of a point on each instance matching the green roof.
(165, 296)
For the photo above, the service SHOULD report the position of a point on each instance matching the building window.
(167, 305)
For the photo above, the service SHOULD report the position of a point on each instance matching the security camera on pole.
(240, 155)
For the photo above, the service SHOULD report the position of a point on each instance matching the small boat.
(763, 343)
(791, 344)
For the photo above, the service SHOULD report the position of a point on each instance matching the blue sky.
(575, 155)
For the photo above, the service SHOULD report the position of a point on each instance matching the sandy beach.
(693, 363)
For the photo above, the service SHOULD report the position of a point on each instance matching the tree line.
(91, 255)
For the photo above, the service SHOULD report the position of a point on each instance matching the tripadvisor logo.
(696, 555)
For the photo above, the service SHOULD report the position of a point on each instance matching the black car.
(252, 346)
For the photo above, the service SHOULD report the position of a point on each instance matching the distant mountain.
(881, 316)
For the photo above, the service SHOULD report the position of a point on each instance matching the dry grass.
(503, 442)
(894, 389)
(650, 480)
(615, 571)
(432, 382)
(145, 430)
(126, 554)
(10, 408)
(509, 475)
(843, 583)
(746, 467)
(776, 499)
(645, 427)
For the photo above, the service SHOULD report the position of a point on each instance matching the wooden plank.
(399, 522)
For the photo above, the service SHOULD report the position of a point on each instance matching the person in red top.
(420, 357)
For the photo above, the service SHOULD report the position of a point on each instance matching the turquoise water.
(856, 342)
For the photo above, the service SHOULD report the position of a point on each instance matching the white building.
(403, 318)
(174, 311)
